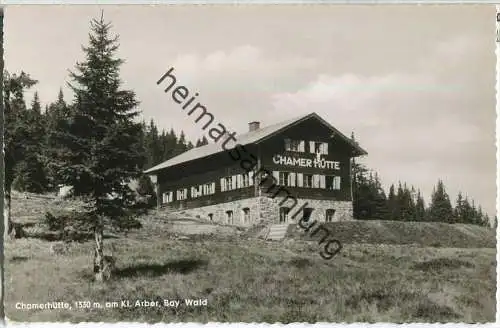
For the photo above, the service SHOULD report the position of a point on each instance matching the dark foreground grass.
(256, 281)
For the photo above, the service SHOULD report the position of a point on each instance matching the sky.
(415, 83)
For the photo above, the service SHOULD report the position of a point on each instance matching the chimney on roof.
(253, 126)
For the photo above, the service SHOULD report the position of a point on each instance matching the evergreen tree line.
(405, 203)
(32, 137)
(161, 146)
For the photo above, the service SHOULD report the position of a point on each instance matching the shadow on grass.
(441, 264)
(19, 259)
(432, 312)
(60, 236)
(155, 270)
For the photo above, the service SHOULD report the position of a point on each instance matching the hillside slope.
(433, 234)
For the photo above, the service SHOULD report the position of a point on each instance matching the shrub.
(55, 223)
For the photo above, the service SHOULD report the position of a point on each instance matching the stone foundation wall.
(219, 212)
(269, 209)
(266, 210)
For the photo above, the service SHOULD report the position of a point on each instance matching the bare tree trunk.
(99, 253)
(6, 214)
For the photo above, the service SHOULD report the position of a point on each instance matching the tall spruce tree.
(181, 144)
(400, 203)
(152, 144)
(56, 115)
(420, 208)
(380, 204)
(440, 208)
(392, 204)
(360, 192)
(102, 142)
(407, 204)
(467, 211)
(458, 211)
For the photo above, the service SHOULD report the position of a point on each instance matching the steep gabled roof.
(253, 137)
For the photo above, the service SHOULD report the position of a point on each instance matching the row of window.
(284, 215)
(182, 194)
(203, 190)
(306, 214)
(236, 181)
(288, 179)
(244, 218)
(292, 179)
(315, 147)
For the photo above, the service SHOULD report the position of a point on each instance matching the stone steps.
(277, 232)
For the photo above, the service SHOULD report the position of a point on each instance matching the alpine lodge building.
(276, 174)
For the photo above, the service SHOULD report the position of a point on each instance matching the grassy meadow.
(246, 279)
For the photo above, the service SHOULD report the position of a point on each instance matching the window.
(329, 182)
(284, 211)
(336, 183)
(288, 179)
(332, 182)
(325, 148)
(229, 217)
(209, 188)
(283, 178)
(322, 181)
(168, 197)
(300, 180)
(308, 181)
(182, 194)
(329, 215)
(246, 215)
(228, 183)
(295, 145)
(318, 181)
(292, 179)
(302, 146)
(245, 180)
(316, 147)
(234, 182)
(315, 181)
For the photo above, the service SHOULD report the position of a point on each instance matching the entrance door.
(284, 211)
(307, 214)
